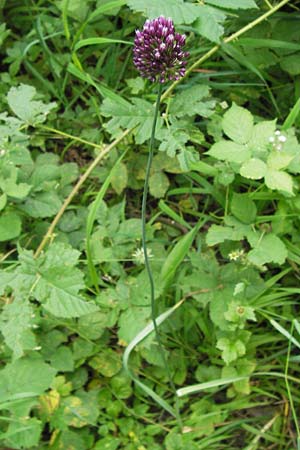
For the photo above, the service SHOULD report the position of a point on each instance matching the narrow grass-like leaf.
(284, 332)
(138, 338)
(291, 118)
(91, 220)
(99, 41)
(208, 384)
(104, 91)
(268, 43)
(176, 256)
(174, 216)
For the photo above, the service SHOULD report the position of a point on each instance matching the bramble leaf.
(32, 112)
(137, 114)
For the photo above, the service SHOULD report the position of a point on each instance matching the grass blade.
(138, 338)
(91, 221)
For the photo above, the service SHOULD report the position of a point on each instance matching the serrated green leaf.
(229, 151)
(180, 11)
(21, 101)
(42, 204)
(58, 290)
(268, 248)
(193, 101)
(137, 114)
(208, 23)
(237, 124)
(243, 208)
(279, 160)
(254, 168)
(173, 139)
(231, 350)
(279, 180)
(10, 226)
(233, 4)
(15, 323)
(25, 376)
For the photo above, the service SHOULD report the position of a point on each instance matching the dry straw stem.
(104, 151)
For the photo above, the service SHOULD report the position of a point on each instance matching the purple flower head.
(158, 53)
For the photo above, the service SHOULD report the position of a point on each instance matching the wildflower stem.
(147, 262)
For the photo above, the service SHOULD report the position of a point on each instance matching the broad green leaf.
(267, 248)
(25, 376)
(231, 350)
(193, 100)
(279, 160)
(158, 184)
(58, 290)
(15, 324)
(180, 11)
(243, 208)
(138, 114)
(218, 234)
(108, 363)
(10, 226)
(282, 181)
(23, 432)
(62, 359)
(259, 142)
(229, 151)
(208, 23)
(3, 201)
(254, 168)
(233, 4)
(237, 124)
(21, 101)
(119, 178)
(42, 204)
(291, 64)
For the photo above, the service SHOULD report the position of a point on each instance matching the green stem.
(147, 262)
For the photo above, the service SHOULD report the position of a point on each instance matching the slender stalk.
(147, 262)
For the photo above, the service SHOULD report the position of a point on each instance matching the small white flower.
(277, 140)
(235, 255)
(139, 255)
(37, 348)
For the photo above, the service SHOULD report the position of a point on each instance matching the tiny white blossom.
(139, 255)
(271, 139)
(277, 133)
(282, 138)
(235, 255)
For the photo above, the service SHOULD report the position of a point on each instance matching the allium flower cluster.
(158, 53)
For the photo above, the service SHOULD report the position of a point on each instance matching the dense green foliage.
(223, 228)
